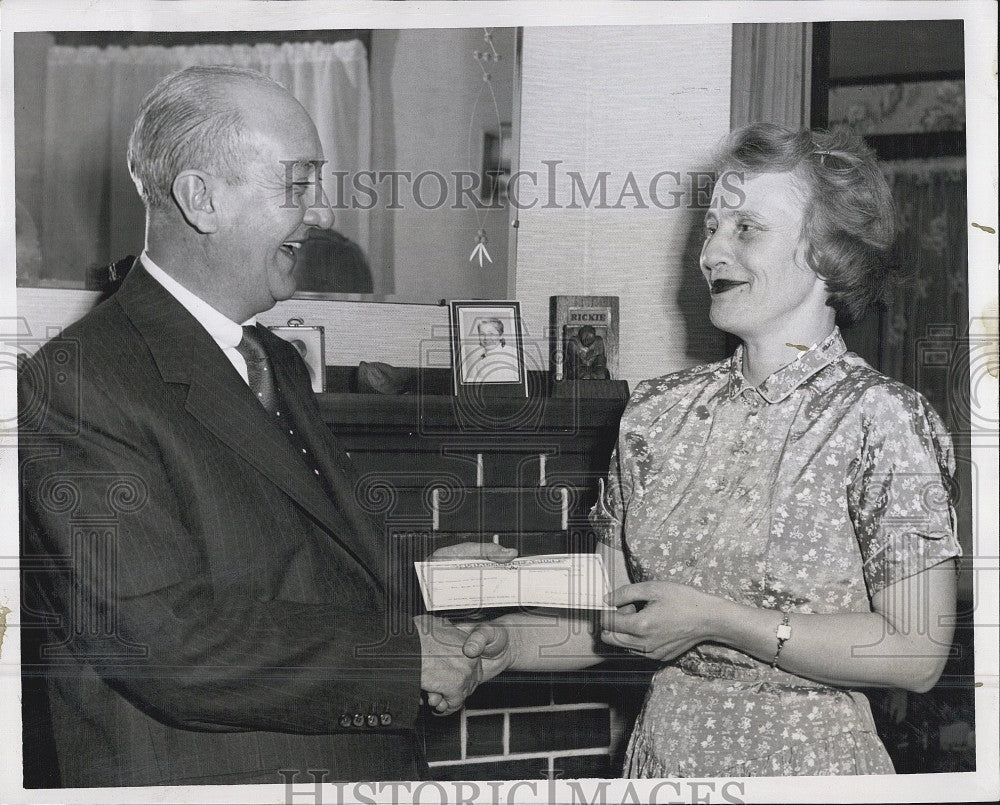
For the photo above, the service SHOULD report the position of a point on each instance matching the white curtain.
(92, 215)
(772, 73)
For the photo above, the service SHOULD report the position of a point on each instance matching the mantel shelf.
(534, 414)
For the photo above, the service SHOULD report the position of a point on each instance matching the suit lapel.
(326, 452)
(244, 426)
(218, 398)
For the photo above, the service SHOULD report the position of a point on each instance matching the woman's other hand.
(659, 619)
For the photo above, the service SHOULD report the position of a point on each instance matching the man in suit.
(217, 606)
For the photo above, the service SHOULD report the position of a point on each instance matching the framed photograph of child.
(487, 347)
(310, 343)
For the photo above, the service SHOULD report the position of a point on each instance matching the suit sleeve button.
(345, 720)
(371, 720)
(385, 719)
(359, 720)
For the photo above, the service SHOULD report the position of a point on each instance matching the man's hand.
(455, 659)
(489, 643)
(446, 673)
(492, 642)
(474, 550)
(487, 640)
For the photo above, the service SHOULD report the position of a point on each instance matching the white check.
(564, 580)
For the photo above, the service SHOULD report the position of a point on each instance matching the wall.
(355, 331)
(30, 52)
(438, 107)
(512, 729)
(599, 98)
(619, 100)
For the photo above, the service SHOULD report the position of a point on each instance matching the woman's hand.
(660, 619)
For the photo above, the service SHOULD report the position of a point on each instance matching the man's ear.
(193, 192)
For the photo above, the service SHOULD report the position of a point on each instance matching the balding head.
(197, 118)
(228, 163)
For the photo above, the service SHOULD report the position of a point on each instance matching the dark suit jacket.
(216, 613)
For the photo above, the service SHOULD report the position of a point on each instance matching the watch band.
(782, 633)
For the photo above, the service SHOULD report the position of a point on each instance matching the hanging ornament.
(480, 250)
(484, 58)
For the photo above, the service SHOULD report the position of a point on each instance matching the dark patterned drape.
(924, 329)
(919, 343)
(922, 343)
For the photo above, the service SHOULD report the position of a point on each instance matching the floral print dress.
(806, 494)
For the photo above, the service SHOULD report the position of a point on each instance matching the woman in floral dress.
(783, 515)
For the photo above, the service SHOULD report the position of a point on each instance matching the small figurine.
(586, 358)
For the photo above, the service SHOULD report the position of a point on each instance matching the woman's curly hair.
(849, 227)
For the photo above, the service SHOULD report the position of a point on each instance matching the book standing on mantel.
(584, 337)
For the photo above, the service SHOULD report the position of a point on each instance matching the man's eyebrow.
(295, 168)
(742, 212)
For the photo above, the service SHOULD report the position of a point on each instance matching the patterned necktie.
(259, 373)
(261, 381)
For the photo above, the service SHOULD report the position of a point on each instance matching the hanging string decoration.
(487, 60)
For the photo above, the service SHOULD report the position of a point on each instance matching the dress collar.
(787, 379)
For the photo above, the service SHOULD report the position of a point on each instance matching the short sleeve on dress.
(899, 496)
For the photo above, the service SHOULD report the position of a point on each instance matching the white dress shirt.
(224, 331)
(497, 365)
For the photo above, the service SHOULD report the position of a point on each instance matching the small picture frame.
(311, 345)
(487, 347)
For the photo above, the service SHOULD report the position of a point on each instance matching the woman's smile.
(720, 286)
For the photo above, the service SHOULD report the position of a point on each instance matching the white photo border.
(464, 316)
(313, 338)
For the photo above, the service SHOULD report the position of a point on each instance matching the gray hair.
(189, 121)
